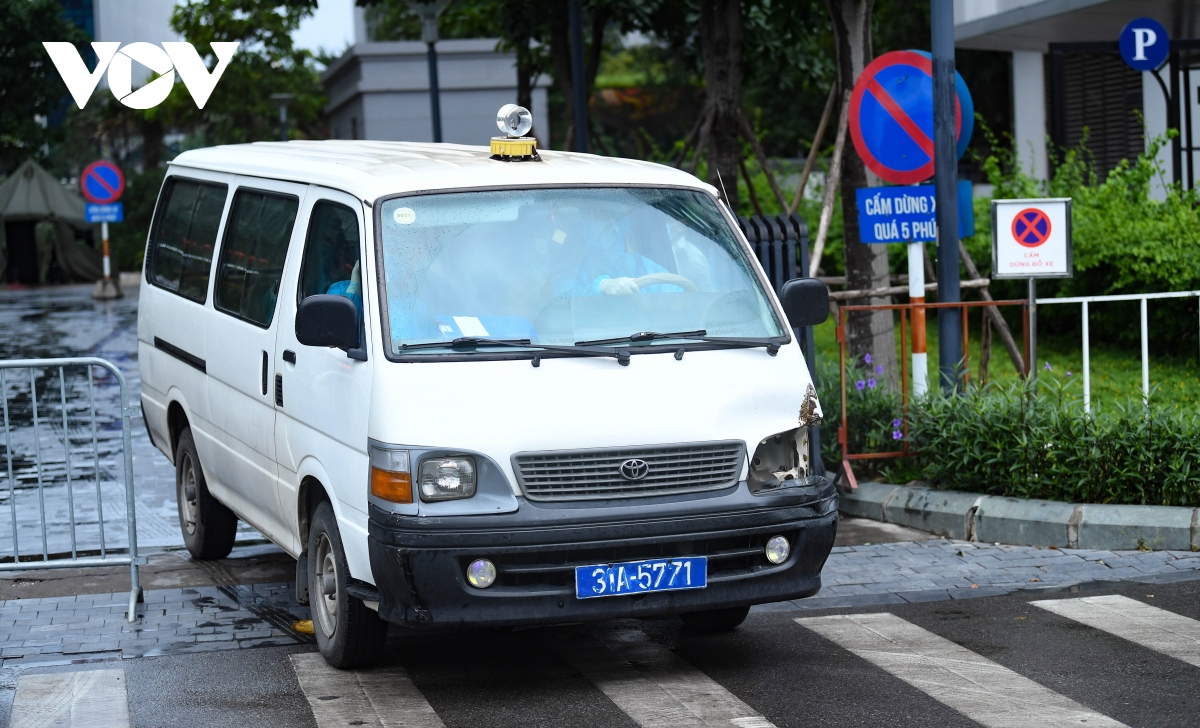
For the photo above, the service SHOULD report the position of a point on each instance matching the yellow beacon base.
(515, 149)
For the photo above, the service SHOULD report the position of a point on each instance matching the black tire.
(208, 526)
(349, 634)
(715, 620)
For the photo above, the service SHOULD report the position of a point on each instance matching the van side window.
(252, 256)
(331, 263)
(181, 248)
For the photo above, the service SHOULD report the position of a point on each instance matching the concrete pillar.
(1154, 111)
(1029, 112)
(361, 32)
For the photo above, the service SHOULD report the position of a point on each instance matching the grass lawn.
(1116, 374)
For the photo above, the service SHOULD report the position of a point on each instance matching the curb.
(1018, 521)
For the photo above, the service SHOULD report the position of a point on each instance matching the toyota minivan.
(480, 386)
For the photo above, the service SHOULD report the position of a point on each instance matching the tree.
(866, 265)
(266, 63)
(31, 91)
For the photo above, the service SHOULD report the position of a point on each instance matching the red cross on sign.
(1031, 227)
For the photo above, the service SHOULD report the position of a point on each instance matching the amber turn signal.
(392, 487)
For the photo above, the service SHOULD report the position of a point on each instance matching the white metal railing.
(1084, 301)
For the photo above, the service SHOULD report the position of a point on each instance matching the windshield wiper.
(772, 344)
(472, 342)
(466, 342)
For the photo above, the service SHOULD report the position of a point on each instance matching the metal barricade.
(33, 469)
(845, 473)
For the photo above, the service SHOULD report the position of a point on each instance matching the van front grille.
(634, 472)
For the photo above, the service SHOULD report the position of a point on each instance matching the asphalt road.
(1128, 658)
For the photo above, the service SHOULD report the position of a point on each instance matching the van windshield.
(562, 266)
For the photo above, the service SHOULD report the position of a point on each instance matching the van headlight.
(778, 459)
(446, 478)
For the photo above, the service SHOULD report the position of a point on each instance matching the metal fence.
(61, 455)
(1084, 301)
(906, 310)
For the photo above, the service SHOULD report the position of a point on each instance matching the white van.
(474, 388)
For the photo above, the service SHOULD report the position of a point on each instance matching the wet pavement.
(67, 322)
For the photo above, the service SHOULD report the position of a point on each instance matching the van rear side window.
(252, 257)
(181, 249)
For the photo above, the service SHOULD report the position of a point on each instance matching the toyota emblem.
(634, 469)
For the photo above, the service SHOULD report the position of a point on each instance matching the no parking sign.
(891, 116)
(1031, 238)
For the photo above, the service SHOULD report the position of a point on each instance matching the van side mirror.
(805, 302)
(327, 320)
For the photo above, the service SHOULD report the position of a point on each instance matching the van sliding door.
(242, 386)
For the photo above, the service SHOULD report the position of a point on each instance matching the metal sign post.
(908, 215)
(945, 138)
(893, 125)
(102, 184)
(1032, 239)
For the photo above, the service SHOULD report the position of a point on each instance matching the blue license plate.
(638, 577)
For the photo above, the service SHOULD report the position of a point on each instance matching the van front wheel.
(349, 634)
(208, 527)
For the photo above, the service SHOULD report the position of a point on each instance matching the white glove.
(355, 287)
(614, 286)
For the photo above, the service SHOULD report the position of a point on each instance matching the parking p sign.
(1031, 238)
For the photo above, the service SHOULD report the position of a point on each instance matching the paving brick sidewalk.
(924, 571)
(171, 621)
(230, 616)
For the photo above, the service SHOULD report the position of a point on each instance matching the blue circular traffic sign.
(891, 116)
(102, 183)
(1144, 44)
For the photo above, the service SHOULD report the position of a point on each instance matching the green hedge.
(1030, 442)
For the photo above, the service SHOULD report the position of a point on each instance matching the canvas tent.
(39, 219)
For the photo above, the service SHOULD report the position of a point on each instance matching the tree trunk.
(560, 54)
(866, 265)
(721, 45)
(152, 141)
(524, 74)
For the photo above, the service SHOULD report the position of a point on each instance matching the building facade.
(1069, 81)
(380, 90)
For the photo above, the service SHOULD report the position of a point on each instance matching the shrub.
(1020, 440)
(1125, 241)
(1034, 442)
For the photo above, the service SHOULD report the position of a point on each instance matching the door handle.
(265, 364)
(289, 356)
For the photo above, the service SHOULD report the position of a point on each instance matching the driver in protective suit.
(608, 268)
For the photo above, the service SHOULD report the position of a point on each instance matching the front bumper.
(419, 563)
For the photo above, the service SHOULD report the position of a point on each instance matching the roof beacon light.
(515, 121)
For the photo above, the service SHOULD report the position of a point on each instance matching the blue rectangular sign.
(638, 577)
(105, 213)
(908, 214)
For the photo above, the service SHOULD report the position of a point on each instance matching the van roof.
(373, 169)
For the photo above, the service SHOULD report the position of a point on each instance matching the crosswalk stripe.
(80, 699)
(654, 686)
(1157, 629)
(383, 697)
(984, 691)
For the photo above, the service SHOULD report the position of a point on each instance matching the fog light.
(482, 573)
(777, 549)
